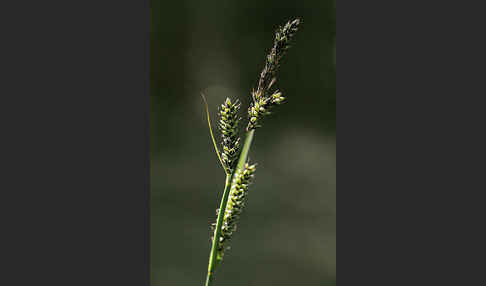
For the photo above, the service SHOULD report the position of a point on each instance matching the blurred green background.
(287, 233)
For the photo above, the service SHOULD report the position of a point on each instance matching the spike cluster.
(228, 124)
(261, 106)
(235, 205)
(281, 44)
(262, 101)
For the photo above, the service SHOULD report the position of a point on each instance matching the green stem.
(213, 260)
(244, 151)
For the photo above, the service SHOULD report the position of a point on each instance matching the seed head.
(281, 44)
(261, 107)
(235, 205)
(263, 99)
(228, 124)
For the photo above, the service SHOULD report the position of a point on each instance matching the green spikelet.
(235, 205)
(228, 124)
(261, 107)
(263, 99)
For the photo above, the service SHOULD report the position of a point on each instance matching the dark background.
(287, 233)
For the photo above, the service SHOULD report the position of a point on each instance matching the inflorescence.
(235, 205)
(228, 124)
(263, 99)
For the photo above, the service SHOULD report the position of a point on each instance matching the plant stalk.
(213, 261)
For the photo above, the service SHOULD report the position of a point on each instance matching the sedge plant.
(234, 156)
